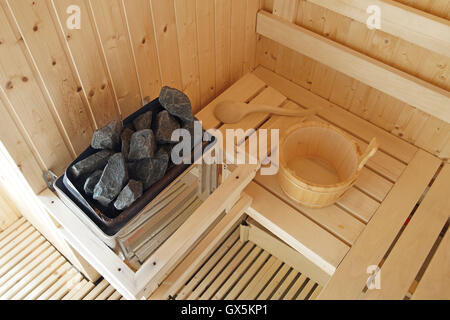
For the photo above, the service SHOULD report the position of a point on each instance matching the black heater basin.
(112, 222)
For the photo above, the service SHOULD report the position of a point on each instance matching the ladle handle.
(370, 152)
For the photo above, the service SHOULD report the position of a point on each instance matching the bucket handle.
(369, 153)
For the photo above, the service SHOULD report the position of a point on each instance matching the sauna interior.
(372, 68)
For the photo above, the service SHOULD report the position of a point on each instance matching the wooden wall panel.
(185, 11)
(22, 94)
(85, 49)
(206, 49)
(54, 68)
(253, 6)
(385, 111)
(22, 153)
(223, 44)
(238, 10)
(402, 21)
(142, 33)
(163, 12)
(58, 85)
(8, 211)
(115, 42)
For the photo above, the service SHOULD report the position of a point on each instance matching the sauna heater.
(138, 231)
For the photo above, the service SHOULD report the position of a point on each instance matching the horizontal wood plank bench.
(344, 240)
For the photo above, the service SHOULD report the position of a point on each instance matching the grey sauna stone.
(165, 125)
(150, 171)
(95, 162)
(143, 122)
(108, 137)
(112, 181)
(161, 163)
(92, 181)
(177, 103)
(142, 145)
(166, 148)
(126, 135)
(131, 167)
(143, 171)
(129, 195)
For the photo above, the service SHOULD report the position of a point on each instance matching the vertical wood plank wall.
(58, 85)
(8, 211)
(384, 111)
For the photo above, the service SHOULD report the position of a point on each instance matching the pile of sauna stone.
(132, 158)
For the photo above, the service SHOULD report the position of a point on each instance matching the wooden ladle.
(230, 112)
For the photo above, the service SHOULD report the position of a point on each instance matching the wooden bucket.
(319, 163)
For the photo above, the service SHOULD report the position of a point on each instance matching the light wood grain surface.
(389, 113)
(59, 85)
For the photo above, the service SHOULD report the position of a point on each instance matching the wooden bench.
(345, 239)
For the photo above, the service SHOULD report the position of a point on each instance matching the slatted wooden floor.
(240, 270)
(32, 269)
